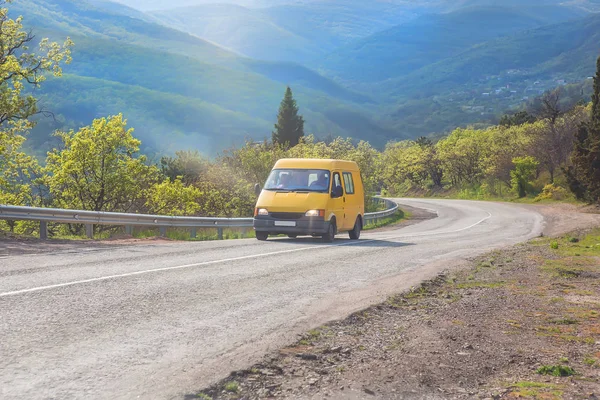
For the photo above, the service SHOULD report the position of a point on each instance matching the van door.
(336, 204)
(351, 204)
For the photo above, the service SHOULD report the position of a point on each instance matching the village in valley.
(512, 90)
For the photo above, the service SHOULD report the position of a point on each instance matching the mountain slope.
(300, 32)
(165, 122)
(490, 78)
(71, 17)
(149, 5)
(140, 61)
(568, 49)
(428, 39)
(246, 31)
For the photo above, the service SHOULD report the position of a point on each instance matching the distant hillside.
(148, 5)
(73, 17)
(121, 9)
(485, 81)
(567, 50)
(428, 39)
(293, 32)
(246, 31)
(150, 72)
(389, 69)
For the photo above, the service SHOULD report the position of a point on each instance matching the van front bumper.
(304, 226)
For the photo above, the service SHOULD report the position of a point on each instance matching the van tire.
(355, 232)
(330, 235)
(262, 236)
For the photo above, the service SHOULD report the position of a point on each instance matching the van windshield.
(299, 180)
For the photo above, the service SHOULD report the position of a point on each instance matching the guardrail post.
(129, 230)
(244, 233)
(193, 233)
(43, 230)
(220, 233)
(163, 231)
(89, 231)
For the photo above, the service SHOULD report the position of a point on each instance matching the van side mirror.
(257, 189)
(336, 192)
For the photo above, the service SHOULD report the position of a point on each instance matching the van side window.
(336, 180)
(348, 183)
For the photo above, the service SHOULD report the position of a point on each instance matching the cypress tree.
(290, 126)
(584, 175)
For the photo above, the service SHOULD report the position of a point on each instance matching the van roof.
(316, 163)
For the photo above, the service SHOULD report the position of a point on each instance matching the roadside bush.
(552, 192)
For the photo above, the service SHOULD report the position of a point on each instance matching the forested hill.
(176, 89)
(208, 74)
(434, 37)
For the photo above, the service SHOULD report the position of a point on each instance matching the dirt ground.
(487, 330)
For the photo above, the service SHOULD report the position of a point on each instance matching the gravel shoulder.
(481, 329)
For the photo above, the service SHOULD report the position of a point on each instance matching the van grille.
(283, 215)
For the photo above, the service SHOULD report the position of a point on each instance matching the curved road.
(163, 320)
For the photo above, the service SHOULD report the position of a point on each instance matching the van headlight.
(315, 213)
(262, 211)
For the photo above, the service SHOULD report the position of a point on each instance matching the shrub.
(556, 370)
(552, 192)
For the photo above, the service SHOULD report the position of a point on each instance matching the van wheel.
(262, 235)
(355, 232)
(330, 235)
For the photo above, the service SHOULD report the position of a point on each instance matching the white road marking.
(104, 278)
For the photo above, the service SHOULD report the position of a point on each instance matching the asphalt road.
(161, 320)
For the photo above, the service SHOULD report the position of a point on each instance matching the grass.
(556, 370)
(392, 219)
(529, 384)
(311, 336)
(580, 247)
(589, 361)
(477, 193)
(576, 256)
(476, 285)
(232, 387)
(202, 234)
(564, 321)
(535, 390)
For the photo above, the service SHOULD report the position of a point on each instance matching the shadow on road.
(341, 242)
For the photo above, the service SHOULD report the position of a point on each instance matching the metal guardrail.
(91, 218)
(391, 209)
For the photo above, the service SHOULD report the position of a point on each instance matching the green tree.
(465, 155)
(518, 118)
(253, 161)
(584, 175)
(16, 168)
(20, 67)
(173, 198)
(187, 165)
(20, 70)
(523, 173)
(290, 126)
(98, 169)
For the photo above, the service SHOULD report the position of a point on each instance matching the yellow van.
(311, 197)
